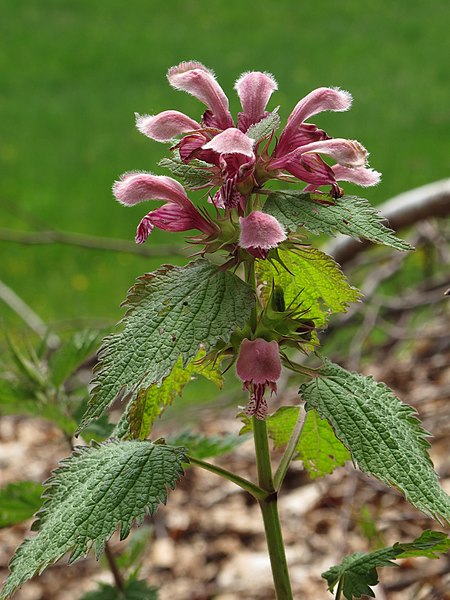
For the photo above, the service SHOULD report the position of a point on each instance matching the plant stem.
(248, 486)
(290, 450)
(118, 579)
(269, 509)
(263, 463)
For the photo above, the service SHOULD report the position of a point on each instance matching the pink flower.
(178, 214)
(236, 160)
(258, 366)
(166, 125)
(301, 144)
(238, 165)
(254, 90)
(198, 80)
(260, 233)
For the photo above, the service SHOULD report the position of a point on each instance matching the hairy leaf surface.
(358, 572)
(170, 313)
(348, 215)
(265, 127)
(97, 489)
(382, 433)
(313, 279)
(193, 176)
(148, 404)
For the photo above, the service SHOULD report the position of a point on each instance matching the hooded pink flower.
(301, 144)
(260, 233)
(200, 82)
(254, 90)
(238, 165)
(236, 159)
(216, 141)
(178, 214)
(258, 366)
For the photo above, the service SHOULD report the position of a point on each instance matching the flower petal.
(172, 217)
(309, 168)
(231, 141)
(200, 82)
(166, 125)
(135, 187)
(254, 90)
(260, 230)
(318, 101)
(258, 362)
(144, 229)
(360, 175)
(348, 153)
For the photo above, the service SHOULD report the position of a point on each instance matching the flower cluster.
(236, 162)
(233, 161)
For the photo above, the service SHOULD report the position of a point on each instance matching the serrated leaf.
(202, 446)
(99, 488)
(318, 447)
(382, 434)
(313, 279)
(149, 404)
(265, 127)
(193, 176)
(19, 501)
(170, 313)
(358, 572)
(348, 215)
(133, 590)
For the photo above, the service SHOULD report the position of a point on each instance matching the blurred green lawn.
(73, 72)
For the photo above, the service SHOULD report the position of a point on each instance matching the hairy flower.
(260, 233)
(254, 90)
(178, 214)
(234, 162)
(259, 367)
(301, 144)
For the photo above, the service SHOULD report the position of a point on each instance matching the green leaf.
(149, 404)
(383, 435)
(19, 501)
(97, 489)
(348, 215)
(202, 446)
(72, 353)
(193, 176)
(318, 447)
(265, 127)
(313, 279)
(170, 313)
(358, 572)
(134, 590)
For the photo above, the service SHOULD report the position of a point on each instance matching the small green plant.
(254, 297)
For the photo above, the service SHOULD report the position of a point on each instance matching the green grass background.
(73, 72)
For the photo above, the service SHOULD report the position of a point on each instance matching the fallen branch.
(87, 241)
(432, 200)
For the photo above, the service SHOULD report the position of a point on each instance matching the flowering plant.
(258, 307)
